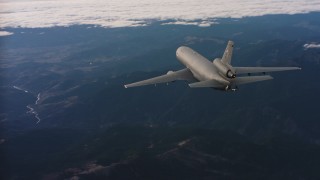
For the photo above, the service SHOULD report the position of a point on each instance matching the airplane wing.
(209, 83)
(250, 79)
(184, 74)
(243, 70)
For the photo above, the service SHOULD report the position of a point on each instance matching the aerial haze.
(64, 113)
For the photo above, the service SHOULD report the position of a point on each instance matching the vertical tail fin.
(227, 55)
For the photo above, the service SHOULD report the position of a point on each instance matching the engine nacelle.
(223, 69)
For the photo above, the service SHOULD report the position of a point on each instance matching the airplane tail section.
(227, 55)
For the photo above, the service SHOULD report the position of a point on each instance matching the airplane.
(218, 74)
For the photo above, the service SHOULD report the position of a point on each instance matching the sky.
(125, 13)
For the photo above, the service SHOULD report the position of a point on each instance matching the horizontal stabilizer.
(243, 70)
(184, 74)
(209, 83)
(250, 79)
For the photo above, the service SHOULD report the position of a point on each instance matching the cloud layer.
(115, 13)
(312, 45)
(5, 33)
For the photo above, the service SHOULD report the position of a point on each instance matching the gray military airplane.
(218, 74)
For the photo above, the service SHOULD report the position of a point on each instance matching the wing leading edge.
(244, 70)
(184, 74)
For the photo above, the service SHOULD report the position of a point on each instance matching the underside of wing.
(250, 79)
(243, 70)
(184, 74)
(209, 83)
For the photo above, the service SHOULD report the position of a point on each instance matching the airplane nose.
(179, 51)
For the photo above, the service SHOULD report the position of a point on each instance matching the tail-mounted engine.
(224, 69)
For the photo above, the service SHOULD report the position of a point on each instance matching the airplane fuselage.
(201, 67)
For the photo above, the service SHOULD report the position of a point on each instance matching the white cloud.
(115, 13)
(312, 45)
(195, 23)
(5, 33)
(180, 23)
